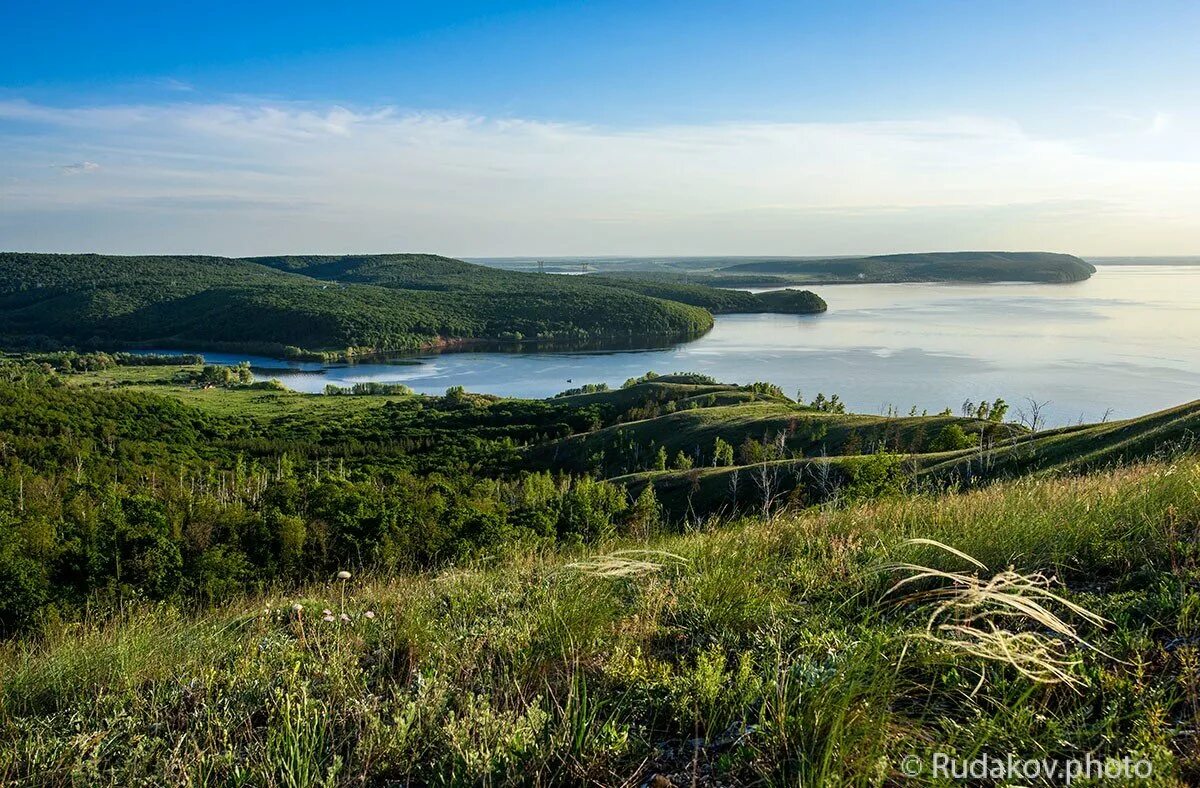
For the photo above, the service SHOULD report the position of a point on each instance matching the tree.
(766, 479)
(1033, 415)
(682, 462)
(952, 438)
(833, 404)
(873, 476)
(767, 389)
(722, 453)
(999, 410)
(751, 452)
(645, 514)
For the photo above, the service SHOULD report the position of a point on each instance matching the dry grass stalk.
(983, 617)
(626, 563)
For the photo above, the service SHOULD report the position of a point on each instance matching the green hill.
(694, 424)
(839, 468)
(386, 302)
(717, 300)
(229, 583)
(344, 305)
(778, 271)
(1079, 448)
(823, 647)
(926, 267)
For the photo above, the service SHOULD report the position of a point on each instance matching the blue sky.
(600, 128)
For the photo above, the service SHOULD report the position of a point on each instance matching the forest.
(338, 307)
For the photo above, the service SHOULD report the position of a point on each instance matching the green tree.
(722, 453)
(952, 438)
(999, 410)
(645, 513)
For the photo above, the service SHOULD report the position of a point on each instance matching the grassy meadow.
(675, 582)
(757, 651)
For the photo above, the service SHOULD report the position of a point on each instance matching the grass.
(256, 404)
(773, 651)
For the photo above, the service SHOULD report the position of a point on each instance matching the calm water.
(1126, 339)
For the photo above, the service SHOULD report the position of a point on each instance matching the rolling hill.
(780, 271)
(341, 304)
(927, 267)
(1007, 451)
(717, 300)
(242, 583)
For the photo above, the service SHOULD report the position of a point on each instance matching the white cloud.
(299, 177)
(78, 168)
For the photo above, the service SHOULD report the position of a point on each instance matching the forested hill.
(927, 267)
(344, 304)
(428, 272)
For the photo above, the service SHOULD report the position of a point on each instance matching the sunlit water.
(1125, 340)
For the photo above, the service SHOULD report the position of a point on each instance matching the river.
(1122, 343)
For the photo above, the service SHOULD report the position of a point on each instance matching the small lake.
(1125, 340)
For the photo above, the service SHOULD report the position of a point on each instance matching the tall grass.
(746, 652)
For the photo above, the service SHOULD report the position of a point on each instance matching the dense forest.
(340, 306)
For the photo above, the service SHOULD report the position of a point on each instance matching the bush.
(952, 438)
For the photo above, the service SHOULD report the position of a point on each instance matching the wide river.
(1125, 342)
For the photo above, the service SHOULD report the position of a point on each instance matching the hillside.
(775, 652)
(716, 300)
(694, 425)
(290, 305)
(927, 267)
(831, 467)
(732, 272)
(171, 538)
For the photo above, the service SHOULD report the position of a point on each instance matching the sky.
(600, 128)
